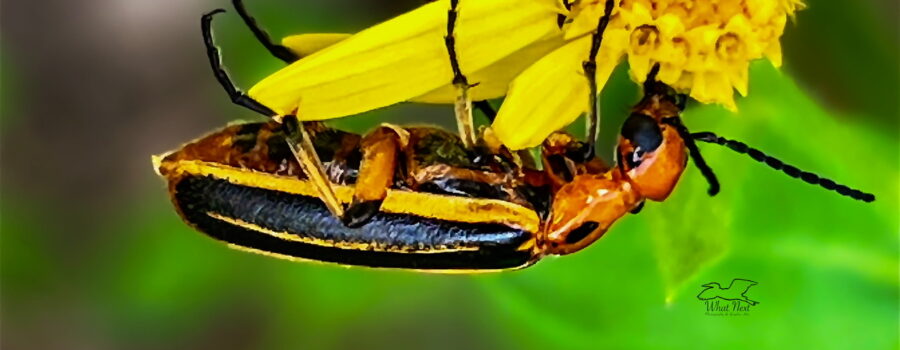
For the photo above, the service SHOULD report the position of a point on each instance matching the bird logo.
(736, 291)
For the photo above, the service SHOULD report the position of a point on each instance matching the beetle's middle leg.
(463, 103)
(376, 174)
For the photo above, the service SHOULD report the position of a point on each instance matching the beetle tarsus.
(359, 213)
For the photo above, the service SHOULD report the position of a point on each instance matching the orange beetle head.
(583, 210)
(650, 152)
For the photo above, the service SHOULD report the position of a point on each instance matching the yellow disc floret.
(703, 47)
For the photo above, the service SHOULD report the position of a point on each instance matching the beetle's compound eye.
(652, 155)
(643, 134)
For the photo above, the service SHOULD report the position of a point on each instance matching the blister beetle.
(419, 199)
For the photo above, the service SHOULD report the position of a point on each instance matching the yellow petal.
(669, 26)
(306, 44)
(553, 92)
(773, 53)
(640, 15)
(403, 58)
(761, 11)
(493, 81)
(639, 67)
(584, 18)
(739, 77)
(713, 87)
(668, 73)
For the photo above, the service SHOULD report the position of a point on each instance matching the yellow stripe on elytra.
(359, 246)
(440, 207)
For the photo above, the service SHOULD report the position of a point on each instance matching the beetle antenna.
(790, 170)
(696, 157)
(215, 61)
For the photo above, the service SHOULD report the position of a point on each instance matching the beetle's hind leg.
(376, 174)
(215, 61)
(279, 51)
(463, 103)
(298, 139)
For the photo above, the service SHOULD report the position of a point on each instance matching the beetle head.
(650, 152)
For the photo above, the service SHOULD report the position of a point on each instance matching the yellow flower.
(703, 47)
(517, 48)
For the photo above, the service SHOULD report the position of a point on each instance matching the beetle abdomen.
(299, 226)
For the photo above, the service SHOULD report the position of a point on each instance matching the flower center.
(730, 47)
(644, 39)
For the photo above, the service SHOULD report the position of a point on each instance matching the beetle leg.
(279, 51)
(487, 109)
(590, 71)
(463, 103)
(302, 148)
(215, 61)
(298, 139)
(376, 173)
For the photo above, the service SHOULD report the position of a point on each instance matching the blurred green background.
(92, 256)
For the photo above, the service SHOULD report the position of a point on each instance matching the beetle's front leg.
(463, 103)
(376, 174)
(303, 150)
(590, 71)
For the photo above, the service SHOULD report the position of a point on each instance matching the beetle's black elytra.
(392, 240)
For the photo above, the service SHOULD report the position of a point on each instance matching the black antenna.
(790, 170)
(695, 154)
